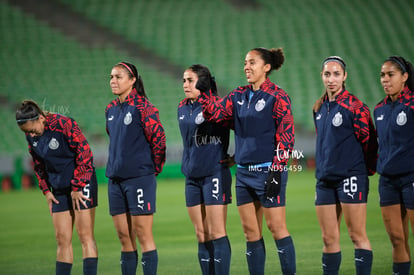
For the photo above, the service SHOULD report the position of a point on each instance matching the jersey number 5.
(86, 191)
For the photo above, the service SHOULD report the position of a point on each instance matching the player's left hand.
(78, 198)
(273, 184)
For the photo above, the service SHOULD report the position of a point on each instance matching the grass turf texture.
(27, 244)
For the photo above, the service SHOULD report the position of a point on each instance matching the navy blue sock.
(129, 262)
(331, 263)
(401, 268)
(287, 255)
(256, 256)
(205, 258)
(150, 262)
(63, 268)
(363, 261)
(90, 266)
(222, 255)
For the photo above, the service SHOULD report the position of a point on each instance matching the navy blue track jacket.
(136, 138)
(205, 143)
(62, 156)
(346, 141)
(263, 124)
(395, 127)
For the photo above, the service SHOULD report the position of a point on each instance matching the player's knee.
(63, 239)
(277, 229)
(330, 240)
(397, 239)
(124, 236)
(358, 239)
(251, 234)
(86, 238)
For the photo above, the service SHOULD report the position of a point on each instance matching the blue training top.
(62, 157)
(205, 143)
(346, 142)
(136, 138)
(263, 123)
(395, 127)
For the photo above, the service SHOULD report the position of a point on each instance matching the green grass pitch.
(27, 244)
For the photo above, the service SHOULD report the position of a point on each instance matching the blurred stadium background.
(60, 53)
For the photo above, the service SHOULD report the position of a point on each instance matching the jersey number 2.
(140, 195)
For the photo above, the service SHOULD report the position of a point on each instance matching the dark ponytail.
(133, 72)
(28, 111)
(274, 57)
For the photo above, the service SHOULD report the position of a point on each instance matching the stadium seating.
(219, 35)
(42, 63)
(66, 77)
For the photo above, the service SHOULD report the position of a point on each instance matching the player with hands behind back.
(346, 154)
(136, 156)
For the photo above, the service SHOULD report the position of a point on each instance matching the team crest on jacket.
(53, 144)
(199, 118)
(401, 118)
(260, 105)
(337, 120)
(128, 118)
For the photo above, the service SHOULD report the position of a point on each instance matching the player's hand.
(228, 161)
(78, 198)
(50, 198)
(273, 184)
(203, 84)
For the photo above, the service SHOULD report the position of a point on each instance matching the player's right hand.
(228, 161)
(50, 198)
(203, 84)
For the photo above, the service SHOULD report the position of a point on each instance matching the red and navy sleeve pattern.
(217, 109)
(40, 171)
(78, 143)
(407, 97)
(364, 129)
(110, 105)
(285, 129)
(183, 102)
(154, 133)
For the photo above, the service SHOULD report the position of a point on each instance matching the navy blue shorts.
(250, 187)
(350, 190)
(398, 190)
(65, 199)
(211, 190)
(135, 196)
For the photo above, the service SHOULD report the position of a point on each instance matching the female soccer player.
(136, 156)
(208, 178)
(264, 135)
(394, 118)
(63, 163)
(346, 151)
